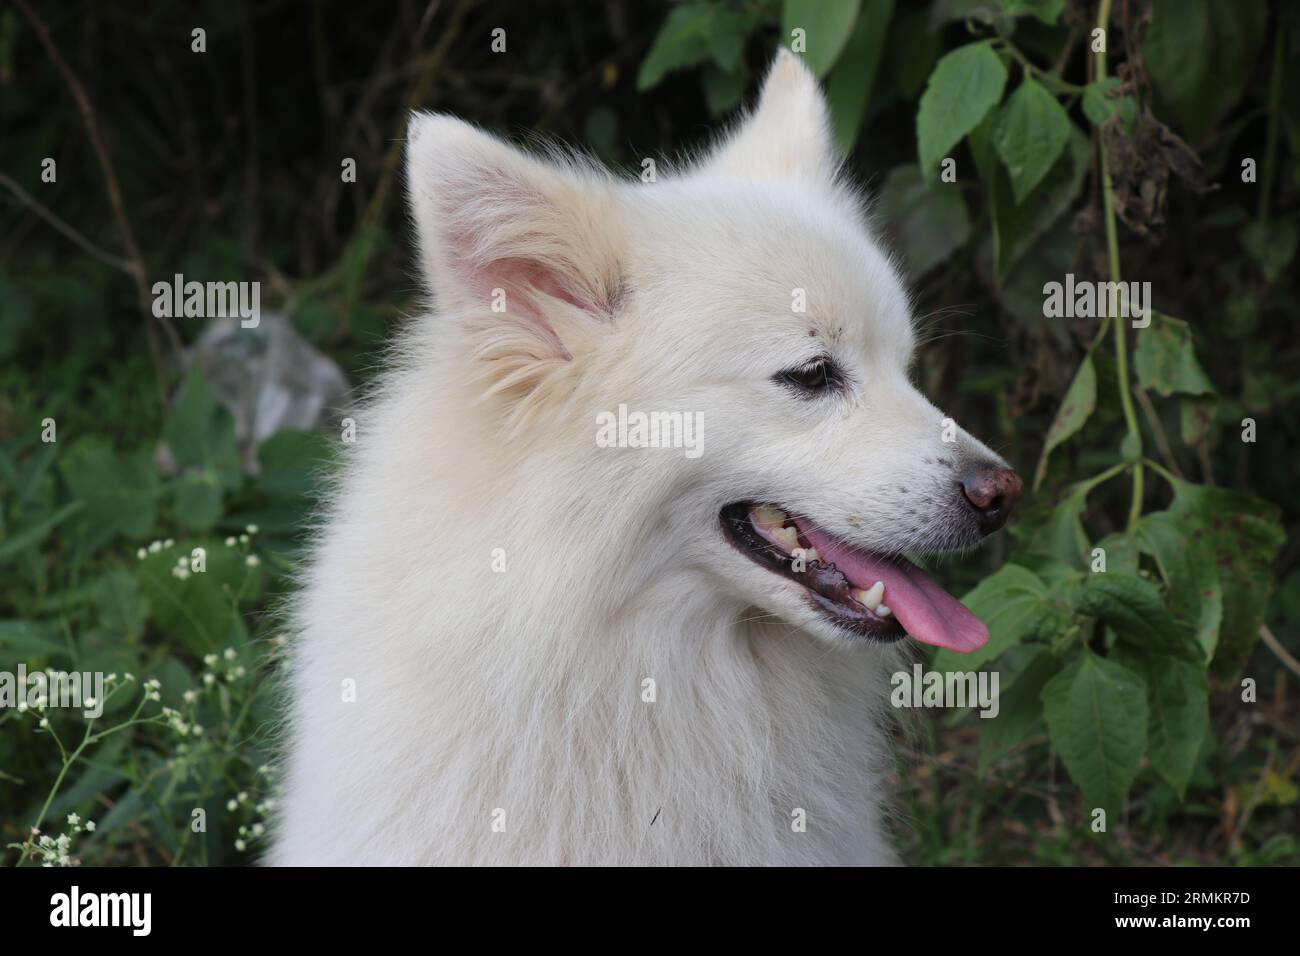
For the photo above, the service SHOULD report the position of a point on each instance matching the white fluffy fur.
(522, 691)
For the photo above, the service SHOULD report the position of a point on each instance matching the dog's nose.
(992, 491)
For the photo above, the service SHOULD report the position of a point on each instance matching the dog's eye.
(812, 378)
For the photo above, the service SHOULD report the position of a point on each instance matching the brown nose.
(993, 492)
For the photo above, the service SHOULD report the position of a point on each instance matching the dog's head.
(744, 302)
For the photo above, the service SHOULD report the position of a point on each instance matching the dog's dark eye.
(812, 378)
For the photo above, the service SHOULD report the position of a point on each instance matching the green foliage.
(1115, 613)
(176, 610)
(1096, 712)
(965, 85)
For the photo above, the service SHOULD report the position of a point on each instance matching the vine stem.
(1112, 250)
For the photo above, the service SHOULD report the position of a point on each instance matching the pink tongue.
(927, 612)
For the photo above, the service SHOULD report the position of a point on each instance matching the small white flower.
(142, 554)
(169, 542)
(240, 845)
(210, 659)
(209, 679)
(155, 547)
(258, 829)
(229, 654)
(190, 696)
(90, 703)
(22, 706)
(232, 806)
(45, 722)
(243, 539)
(251, 529)
(252, 560)
(231, 542)
(90, 826)
(73, 819)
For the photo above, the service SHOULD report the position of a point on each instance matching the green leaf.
(201, 434)
(1165, 359)
(1138, 613)
(1199, 55)
(1078, 405)
(1187, 565)
(30, 640)
(198, 610)
(119, 491)
(850, 85)
(1016, 605)
(122, 609)
(1017, 227)
(1029, 134)
(197, 499)
(1020, 708)
(964, 86)
(1096, 713)
(683, 40)
(1097, 104)
(1178, 700)
(1196, 417)
(1271, 244)
(1243, 535)
(1049, 11)
(1121, 553)
(826, 25)
(927, 222)
(294, 463)
(1054, 531)
(32, 535)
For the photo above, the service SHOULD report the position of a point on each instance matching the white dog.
(517, 644)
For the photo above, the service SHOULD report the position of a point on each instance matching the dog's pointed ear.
(788, 135)
(514, 243)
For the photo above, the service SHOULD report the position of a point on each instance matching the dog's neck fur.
(521, 698)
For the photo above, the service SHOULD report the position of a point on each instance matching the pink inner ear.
(524, 282)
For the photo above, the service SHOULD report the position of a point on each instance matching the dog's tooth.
(810, 555)
(872, 597)
(788, 537)
(767, 517)
(883, 611)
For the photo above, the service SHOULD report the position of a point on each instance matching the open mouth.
(879, 597)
